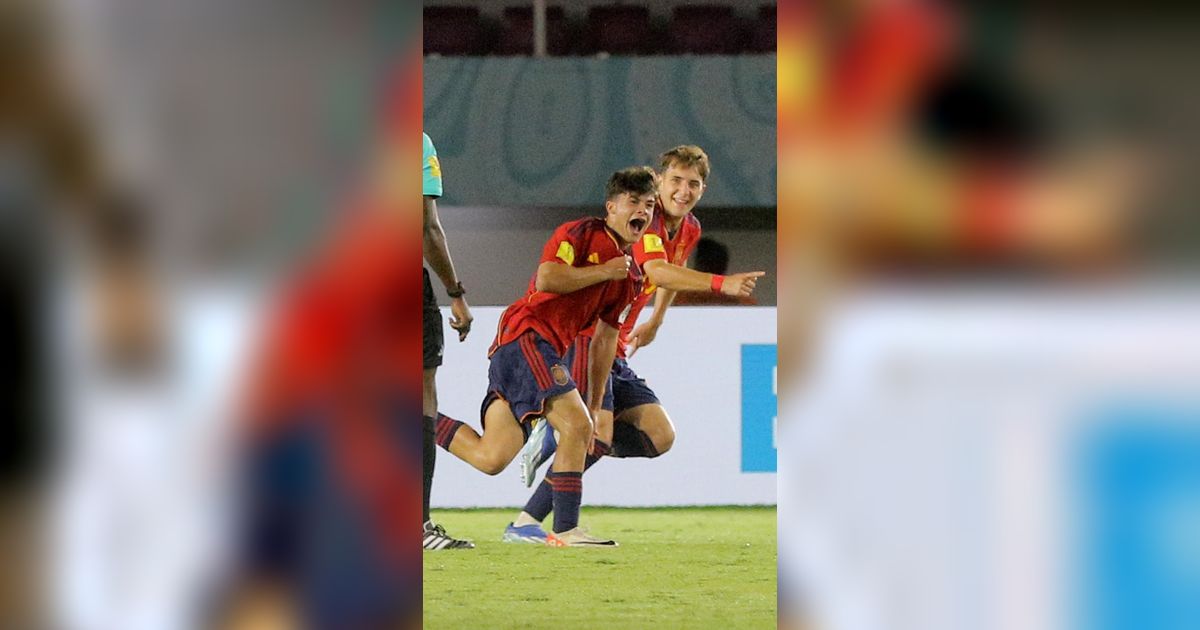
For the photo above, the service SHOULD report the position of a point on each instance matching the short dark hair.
(686, 155)
(635, 180)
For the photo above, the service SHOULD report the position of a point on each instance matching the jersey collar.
(616, 239)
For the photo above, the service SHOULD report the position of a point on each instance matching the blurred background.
(533, 137)
(162, 166)
(986, 270)
(528, 129)
(988, 415)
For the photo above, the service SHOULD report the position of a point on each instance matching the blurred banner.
(529, 131)
(988, 282)
(723, 416)
(997, 458)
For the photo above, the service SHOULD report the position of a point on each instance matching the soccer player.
(324, 453)
(437, 254)
(585, 276)
(632, 420)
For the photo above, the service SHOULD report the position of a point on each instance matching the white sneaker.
(578, 537)
(531, 453)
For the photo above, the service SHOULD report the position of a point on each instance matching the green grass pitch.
(675, 568)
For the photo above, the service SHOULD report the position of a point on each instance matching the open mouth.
(637, 224)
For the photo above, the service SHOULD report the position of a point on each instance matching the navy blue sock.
(568, 494)
(446, 428)
(629, 441)
(542, 501)
(539, 505)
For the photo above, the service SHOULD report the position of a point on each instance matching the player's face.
(681, 188)
(629, 215)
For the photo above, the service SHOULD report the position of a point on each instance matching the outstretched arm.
(676, 278)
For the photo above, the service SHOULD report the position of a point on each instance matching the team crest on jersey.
(435, 167)
(560, 374)
(652, 243)
(594, 258)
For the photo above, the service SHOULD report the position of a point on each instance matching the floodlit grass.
(675, 568)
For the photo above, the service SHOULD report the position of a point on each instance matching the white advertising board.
(695, 366)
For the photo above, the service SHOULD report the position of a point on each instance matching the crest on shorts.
(560, 374)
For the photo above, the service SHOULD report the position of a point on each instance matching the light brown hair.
(686, 155)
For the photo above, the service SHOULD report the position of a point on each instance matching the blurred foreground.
(989, 416)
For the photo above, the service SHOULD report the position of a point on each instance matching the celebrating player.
(585, 276)
(642, 427)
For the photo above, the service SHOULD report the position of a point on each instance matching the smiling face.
(629, 215)
(682, 186)
(685, 170)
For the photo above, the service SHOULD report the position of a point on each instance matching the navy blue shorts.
(524, 373)
(623, 390)
(577, 358)
(629, 389)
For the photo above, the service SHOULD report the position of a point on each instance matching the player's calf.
(541, 503)
(643, 431)
(567, 414)
(489, 453)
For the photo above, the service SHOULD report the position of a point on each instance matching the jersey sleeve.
(431, 169)
(649, 247)
(563, 246)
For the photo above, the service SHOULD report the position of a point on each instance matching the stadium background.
(988, 282)
(526, 143)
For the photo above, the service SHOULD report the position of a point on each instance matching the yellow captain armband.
(435, 167)
(652, 243)
(566, 253)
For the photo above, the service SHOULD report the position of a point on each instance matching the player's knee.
(492, 464)
(664, 439)
(574, 427)
(661, 432)
(492, 468)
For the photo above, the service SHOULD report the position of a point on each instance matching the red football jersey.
(657, 244)
(559, 318)
(343, 323)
